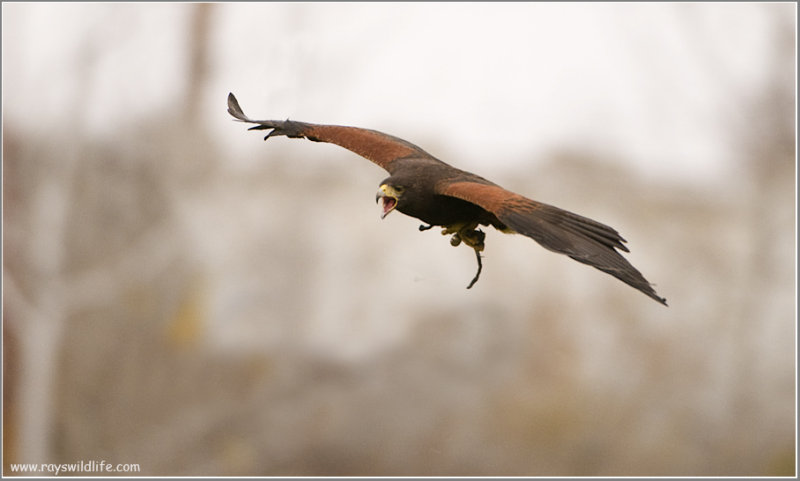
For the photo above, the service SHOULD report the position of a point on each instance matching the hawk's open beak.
(389, 196)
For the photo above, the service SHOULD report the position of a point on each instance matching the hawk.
(422, 186)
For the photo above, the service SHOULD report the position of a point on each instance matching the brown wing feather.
(581, 238)
(382, 149)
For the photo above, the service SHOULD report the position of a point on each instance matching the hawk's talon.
(424, 227)
(473, 238)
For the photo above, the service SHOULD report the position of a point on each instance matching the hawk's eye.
(399, 189)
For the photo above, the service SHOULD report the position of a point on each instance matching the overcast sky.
(654, 85)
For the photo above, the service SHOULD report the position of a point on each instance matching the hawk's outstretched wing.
(382, 149)
(558, 230)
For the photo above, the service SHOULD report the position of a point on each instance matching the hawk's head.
(390, 195)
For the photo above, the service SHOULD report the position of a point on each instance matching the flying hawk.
(424, 187)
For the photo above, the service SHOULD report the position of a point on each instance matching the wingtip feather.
(234, 109)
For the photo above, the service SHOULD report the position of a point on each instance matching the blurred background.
(181, 295)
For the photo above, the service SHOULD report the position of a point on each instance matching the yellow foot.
(468, 233)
